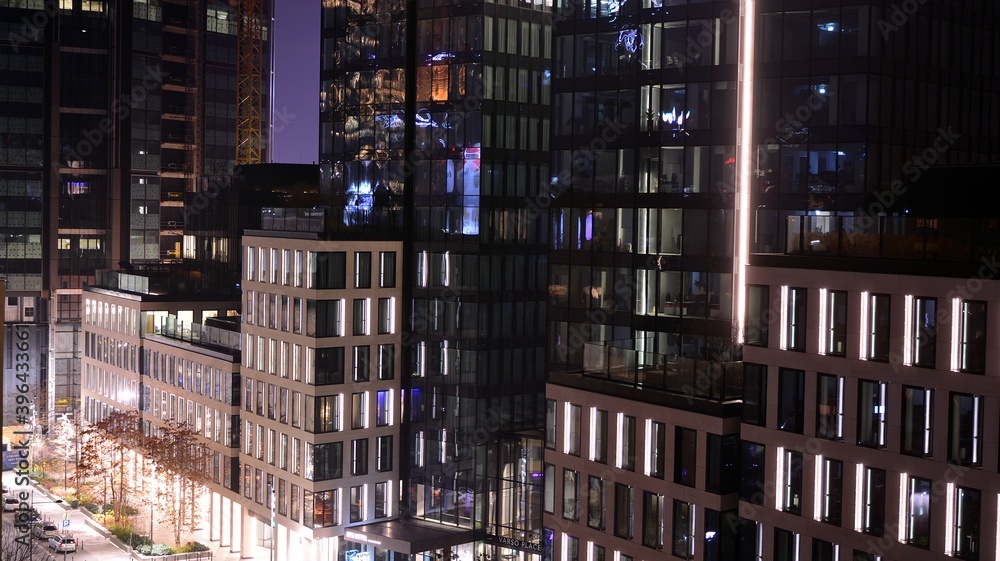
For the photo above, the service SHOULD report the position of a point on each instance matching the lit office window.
(570, 492)
(595, 502)
(830, 490)
(917, 496)
(793, 326)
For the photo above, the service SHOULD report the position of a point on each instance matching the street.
(91, 546)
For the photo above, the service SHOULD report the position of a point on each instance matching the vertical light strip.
(956, 318)
(927, 421)
(620, 434)
(904, 528)
(859, 483)
(779, 476)
(976, 437)
(745, 126)
(566, 426)
(949, 520)
(818, 489)
(823, 327)
(865, 334)
(593, 431)
(908, 332)
(796, 538)
(783, 330)
(840, 407)
(647, 459)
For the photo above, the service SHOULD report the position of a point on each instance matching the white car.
(63, 543)
(10, 504)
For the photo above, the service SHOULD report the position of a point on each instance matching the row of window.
(327, 269)
(920, 321)
(722, 453)
(320, 462)
(110, 351)
(317, 318)
(319, 509)
(682, 537)
(192, 376)
(323, 366)
(960, 510)
(322, 413)
(965, 421)
(112, 317)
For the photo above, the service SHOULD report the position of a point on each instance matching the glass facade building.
(110, 114)
(442, 110)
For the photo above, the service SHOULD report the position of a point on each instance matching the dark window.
(754, 394)
(551, 407)
(357, 504)
(722, 467)
(683, 539)
(362, 355)
(871, 413)
(624, 504)
(831, 491)
(924, 332)
(685, 456)
(330, 270)
(575, 437)
(385, 315)
(363, 269)
(824, 550)
(836, 323)
(599, 439)
(328, 461)
(784, 545)
(595, 502)
(752, 476)
(918, 512)
(918, 426)
(878, 327)
(967, 520)
(965, 430)
(570, 491)
(384, 460)
(359, 456)
(757, 315)
(328, 318)
(795, 319)
(386, 361)
(830, 406)
(791, 397)
(973, 338)
(360, 324)
(387, 269)
(652, 520)
(873, 502)
(329, 367)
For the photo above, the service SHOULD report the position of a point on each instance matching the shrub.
(191, 547)
(161, 549)
(129, 536)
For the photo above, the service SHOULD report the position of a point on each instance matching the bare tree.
(15, 545)
(182, 468)
(108, 453)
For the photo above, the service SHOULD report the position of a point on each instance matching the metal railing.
(617, 361)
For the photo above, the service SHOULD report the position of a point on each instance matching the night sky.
(296, 81)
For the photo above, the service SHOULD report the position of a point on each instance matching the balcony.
(619, 362)
(197, 334)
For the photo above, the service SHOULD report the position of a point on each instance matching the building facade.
(110, 116)
(442, 111)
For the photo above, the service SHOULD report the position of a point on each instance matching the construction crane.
(250, 82)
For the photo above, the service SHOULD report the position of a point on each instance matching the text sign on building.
(513, 543)
(360, 538)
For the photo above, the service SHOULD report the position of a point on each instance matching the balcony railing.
(892, 237)
(199, 334)
(617, 361)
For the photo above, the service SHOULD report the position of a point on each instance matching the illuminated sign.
(531, 546)
(360, 538)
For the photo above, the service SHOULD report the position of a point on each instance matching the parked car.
(10, 504)
(62, 543)
(44, 530)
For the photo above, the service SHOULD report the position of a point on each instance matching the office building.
(739, 150)
(109, 118)
(442, 111)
